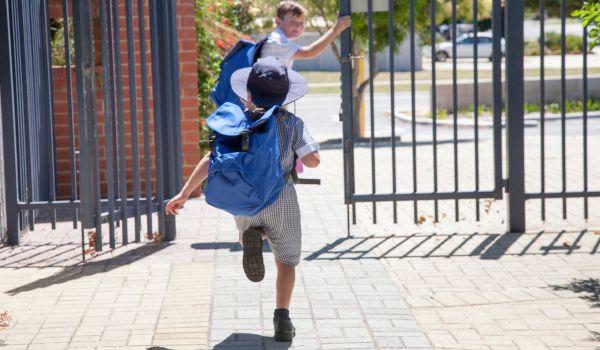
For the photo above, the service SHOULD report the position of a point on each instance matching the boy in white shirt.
(290, 25)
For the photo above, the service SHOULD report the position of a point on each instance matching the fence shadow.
(486, 246)
(232, 246)
(92, 267)
(250, 341)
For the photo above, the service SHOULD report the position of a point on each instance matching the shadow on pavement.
(90, 268)
(589, 289)
(487, 246)
(232, 246)
(249, 341)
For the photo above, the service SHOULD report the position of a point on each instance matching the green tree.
(218, 26)
(552, 6)
(590, 17)
(328, 9)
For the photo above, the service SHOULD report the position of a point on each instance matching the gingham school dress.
(281, 220)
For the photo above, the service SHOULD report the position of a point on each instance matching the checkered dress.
(281, 220)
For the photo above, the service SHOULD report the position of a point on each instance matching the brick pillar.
(190, 123)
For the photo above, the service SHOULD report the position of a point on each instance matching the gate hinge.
(505, 185)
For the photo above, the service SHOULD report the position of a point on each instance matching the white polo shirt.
(278, 45)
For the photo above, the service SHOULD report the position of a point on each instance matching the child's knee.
(287, 262)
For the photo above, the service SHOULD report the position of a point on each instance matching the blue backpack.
(244, 54)
(244, 175)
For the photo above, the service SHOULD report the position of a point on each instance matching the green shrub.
(573, 43)
(571, 106)
(531, 48)
(208, 60)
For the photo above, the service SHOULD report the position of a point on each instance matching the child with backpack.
(264, 88)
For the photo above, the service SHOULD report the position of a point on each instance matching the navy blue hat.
(269, 82)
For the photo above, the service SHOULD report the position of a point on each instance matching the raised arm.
(319, 45)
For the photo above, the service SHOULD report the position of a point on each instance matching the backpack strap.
(258, 48)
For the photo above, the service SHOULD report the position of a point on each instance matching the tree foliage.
(219, 25)
(590, 17)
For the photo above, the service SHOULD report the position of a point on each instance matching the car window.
(484, 40)
(467, 41)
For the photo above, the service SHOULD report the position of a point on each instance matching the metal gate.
(104, 156)
(399, 175)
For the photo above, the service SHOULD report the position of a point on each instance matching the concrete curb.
(484, 122)
(531, 119)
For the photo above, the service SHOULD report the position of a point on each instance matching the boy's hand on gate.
(175, 204)
(342, 23)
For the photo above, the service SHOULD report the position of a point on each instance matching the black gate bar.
(514, 115)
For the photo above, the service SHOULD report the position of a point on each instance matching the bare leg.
(286, 277)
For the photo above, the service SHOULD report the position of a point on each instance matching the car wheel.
(441, 56)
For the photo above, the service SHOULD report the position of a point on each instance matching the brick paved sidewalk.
(390, 286)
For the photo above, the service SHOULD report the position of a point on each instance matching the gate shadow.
(250, 341)
(486, 246)
(90, 268)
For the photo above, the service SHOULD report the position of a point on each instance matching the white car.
(464, 47)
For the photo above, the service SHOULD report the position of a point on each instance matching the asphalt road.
(321, 115)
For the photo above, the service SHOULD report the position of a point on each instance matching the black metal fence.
(107, 194)
(455, 173)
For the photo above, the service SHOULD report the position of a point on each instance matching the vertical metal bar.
(476, 104)
(158, 98)
(348, 220)
(372, 104)
(413, 106)
(45, 20)
(72, 159)
(563, 102)
(543, 105)
(514, 111)
(146, 126)
(134, 119)
(347, 108)
(455, 108)
(391, 45)
(173, 124)
(27, 108)
(585, 124)
(122, 164)
(104, 14)
(86, 107)
(432, 29)
(20, 107)
(497, 94)
(113, 108)
(8, 104)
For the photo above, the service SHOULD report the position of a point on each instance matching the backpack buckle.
(245, 134)
(211, 143)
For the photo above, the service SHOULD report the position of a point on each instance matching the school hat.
(270, 83)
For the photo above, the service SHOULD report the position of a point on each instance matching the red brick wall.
(188, 99)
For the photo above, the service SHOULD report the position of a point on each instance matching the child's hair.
(292, 7)
(251, 107)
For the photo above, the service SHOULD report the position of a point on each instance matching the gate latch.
(350, 57)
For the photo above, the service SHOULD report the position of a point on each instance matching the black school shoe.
(284, 329)
(254, 266)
